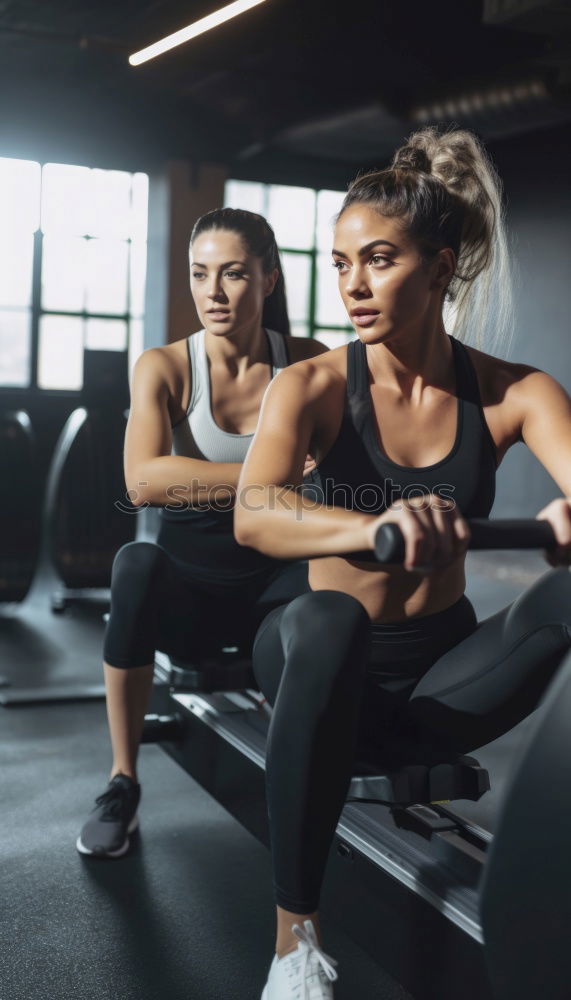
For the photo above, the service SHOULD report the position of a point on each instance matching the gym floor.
(169, 920)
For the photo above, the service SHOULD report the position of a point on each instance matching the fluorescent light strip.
(198, 28)
(481, 101)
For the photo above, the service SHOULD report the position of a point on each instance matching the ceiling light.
(192, 30)
(478, 102)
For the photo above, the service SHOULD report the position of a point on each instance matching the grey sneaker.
(106, 833)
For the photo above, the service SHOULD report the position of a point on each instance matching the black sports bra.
(356, 475)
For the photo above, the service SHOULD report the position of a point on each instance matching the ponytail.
(275, 315)
(447, 192)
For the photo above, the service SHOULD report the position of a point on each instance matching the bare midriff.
(394, 595)
(397, 594)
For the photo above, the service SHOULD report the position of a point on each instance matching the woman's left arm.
(546, 430)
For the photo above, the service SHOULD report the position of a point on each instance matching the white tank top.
(197, 435)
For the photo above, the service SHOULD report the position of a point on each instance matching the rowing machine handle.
(501, 533)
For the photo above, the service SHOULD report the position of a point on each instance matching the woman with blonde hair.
(408, 425)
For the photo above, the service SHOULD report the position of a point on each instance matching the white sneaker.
(303, 974)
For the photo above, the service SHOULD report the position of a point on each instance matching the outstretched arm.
(546, 430)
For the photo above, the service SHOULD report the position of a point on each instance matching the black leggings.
(339, 685)
(157, 602)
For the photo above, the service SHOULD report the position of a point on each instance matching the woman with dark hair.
(407, 425)
(199, 398)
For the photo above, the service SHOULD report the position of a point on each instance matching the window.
(73, 257)
(302, 220)
(19, 220)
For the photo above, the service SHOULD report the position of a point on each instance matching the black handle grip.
(389, 544)
(502, 533)
(506, 533)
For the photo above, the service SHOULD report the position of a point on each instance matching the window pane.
(14, 347)
(19, 194)
(297, 274)
(106, 276)
(63, 273)
(110, 204)
(67, 197)
(328, 205)
(16, 259)
(333, 338)
(135, 342)
(291, 213)
(60, 358)
(106, 334)
(299, 329)
(139, 206)
(138, 270)
(330, 308)
(244, 194)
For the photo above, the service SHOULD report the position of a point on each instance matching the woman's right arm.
(270, 514)
(152, 475)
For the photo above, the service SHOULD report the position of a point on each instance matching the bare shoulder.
(312, 379)
(310, 393)
(300, 348)
(174, 355)
(497, 376)
(307, 377)
(322, 366)
(516, 390)
(167, 364)
(537, 395)
(152, 363)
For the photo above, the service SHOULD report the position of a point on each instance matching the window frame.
(313, 253)
(36, 310)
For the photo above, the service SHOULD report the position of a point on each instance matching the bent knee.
(137, 563)
(331, 627)
(321, 609)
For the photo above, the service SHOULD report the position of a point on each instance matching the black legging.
(338, 684)
(159, 603)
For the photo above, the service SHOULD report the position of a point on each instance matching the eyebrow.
(195, 263)
(369, 246)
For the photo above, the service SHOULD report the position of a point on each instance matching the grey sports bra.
(197, 435)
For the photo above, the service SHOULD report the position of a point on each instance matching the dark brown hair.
(259, 240)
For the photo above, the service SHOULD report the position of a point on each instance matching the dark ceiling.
(289, 84)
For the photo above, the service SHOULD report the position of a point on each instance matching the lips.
(364, 317)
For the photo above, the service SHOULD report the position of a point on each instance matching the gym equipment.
(406, 877)
(84, 525)
(525, 897)
(20, 506)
